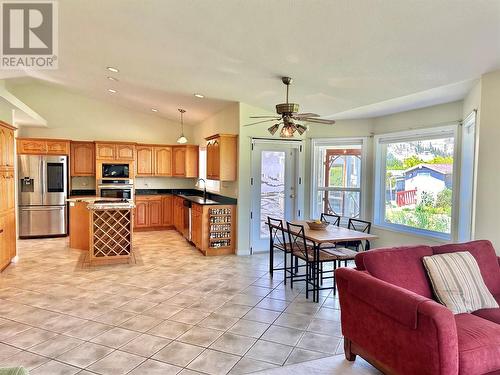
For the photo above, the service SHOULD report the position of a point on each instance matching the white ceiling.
(342, 54)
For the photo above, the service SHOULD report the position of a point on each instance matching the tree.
(412, 161)
(442, 160)
(443, 199)
(393, 162)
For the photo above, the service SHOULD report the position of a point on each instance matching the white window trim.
(363, 142)
(212, 186)
(380, 171)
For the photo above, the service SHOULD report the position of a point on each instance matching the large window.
(415, 181)
(337, 183)
(212, 185)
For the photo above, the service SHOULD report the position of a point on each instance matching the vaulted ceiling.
(348, 57)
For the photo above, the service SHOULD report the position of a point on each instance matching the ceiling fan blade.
(260, 122)
(275, 117)
(308, 114)
(319, 121)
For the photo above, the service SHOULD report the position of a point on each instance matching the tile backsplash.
(83, 183)
(164, 183)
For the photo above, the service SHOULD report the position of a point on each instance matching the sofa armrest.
(408, 333)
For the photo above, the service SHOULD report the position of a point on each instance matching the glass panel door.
(274, 190)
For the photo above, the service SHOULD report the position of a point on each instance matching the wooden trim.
(351, 350)
(7, 125)
(221, 136)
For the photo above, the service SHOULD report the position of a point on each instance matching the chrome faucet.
(204, 188)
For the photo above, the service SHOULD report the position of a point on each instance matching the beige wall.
(73, 116)
(487, 220)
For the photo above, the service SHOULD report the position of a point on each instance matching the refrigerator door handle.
(41, 208)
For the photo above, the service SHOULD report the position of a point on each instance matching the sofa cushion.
(401, 266)
(485, 256)
(493, 315)
(457, 282)
(478, 344)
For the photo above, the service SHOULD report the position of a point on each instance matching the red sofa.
(389, 316)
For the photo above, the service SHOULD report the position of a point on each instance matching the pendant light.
(182, 139)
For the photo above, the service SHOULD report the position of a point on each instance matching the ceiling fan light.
(301, 129)
(287, 131)
(273, 129)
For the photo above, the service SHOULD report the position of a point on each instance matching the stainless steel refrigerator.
(42, 193)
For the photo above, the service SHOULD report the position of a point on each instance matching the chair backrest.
(297, 238)
(276, 233)
(332, 219)
(359, 225)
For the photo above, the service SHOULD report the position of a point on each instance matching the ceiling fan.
(288, 115)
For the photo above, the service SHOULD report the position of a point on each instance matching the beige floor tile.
(29, 338)
(319, 343)
(299, 355)
(169, 329)
(233, 310)
(246, 299)
(11, 328)
(55, 368)
(273, 304)
(88, 330)
(115, 337)
(141, 323)
(117, 363)
(249, 328)
(217, 321)
(25, 359)
(189, 316)
(6, 351)
(249, 365)
(85, 354)
(62, 323)
(270, 352)
(115, 317)
(145, 345)
(137, 306)
(178, 353)
(328, 314)
(152, 367)
(56, 346)
(163, 311)
(282, 335)
(262, 315)
(325, 327)
(200, 336)
(303, 308)
(214, 362)
(233, 344)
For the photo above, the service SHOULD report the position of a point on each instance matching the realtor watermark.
(29, 35)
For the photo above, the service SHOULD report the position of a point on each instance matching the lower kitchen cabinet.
(167, 204)
(178, 211)
(152, 211)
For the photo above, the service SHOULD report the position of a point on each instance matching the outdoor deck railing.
(406, 197)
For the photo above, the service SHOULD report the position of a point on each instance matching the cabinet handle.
(1, 231)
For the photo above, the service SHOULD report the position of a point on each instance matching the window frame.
(316, 164)
(212, 186)
(380, 145)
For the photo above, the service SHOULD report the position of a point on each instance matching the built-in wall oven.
(109, 188)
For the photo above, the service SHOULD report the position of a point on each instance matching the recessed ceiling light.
(154, 110)
(112, 69)
(112, 91)
(199, 96)
(113, 79)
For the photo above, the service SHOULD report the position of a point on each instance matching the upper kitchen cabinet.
(82, 159)
(43, 146)
(222, 157)
(163, 160)
(115, 151)
(145, 160)
(154, 160)
(6, 145)
(185, 161)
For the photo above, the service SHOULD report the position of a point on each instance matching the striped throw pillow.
(457, 282)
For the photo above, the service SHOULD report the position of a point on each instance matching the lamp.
(273, 129)
(301, 129)
(182, 139)
(287, 131)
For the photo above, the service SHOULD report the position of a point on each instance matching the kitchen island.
(103, 227)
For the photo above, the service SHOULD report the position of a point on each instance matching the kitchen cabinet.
(153, 211)
(8, 233)
(185, 161)
(82, 159)
(222, 157)
(115, 151)
(145, 160)
(38, 146)
(179, 214)
(167, 204)
(197, 225)
(163, 160)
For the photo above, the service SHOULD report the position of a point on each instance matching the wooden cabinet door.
(10, 190)
(10, 237)
(179, 161)
(179, 213)
(4, 195)
(4, 245)
(141, 219)
(216, 160)
(105, 151)
(144, 161)
(155, 208)
(8, 146)
(167, 209)
(125, 152)
(82, 159)
(31, 146)
(163, 161)
(58, 147)
(209, 161)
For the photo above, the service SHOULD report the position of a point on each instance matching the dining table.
(332, 234)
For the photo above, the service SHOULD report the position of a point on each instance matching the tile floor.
(173, 312)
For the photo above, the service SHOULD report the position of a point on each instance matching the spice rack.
(221, 227)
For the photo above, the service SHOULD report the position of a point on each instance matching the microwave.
(115, 171)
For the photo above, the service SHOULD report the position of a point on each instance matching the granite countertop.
(111, 206)
(194, 195)
(89, 198)
(198, 200)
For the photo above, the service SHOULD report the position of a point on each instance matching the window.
(212, 185)
(337, 179)
(415, 176)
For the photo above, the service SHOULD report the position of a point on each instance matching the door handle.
(42, 209)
